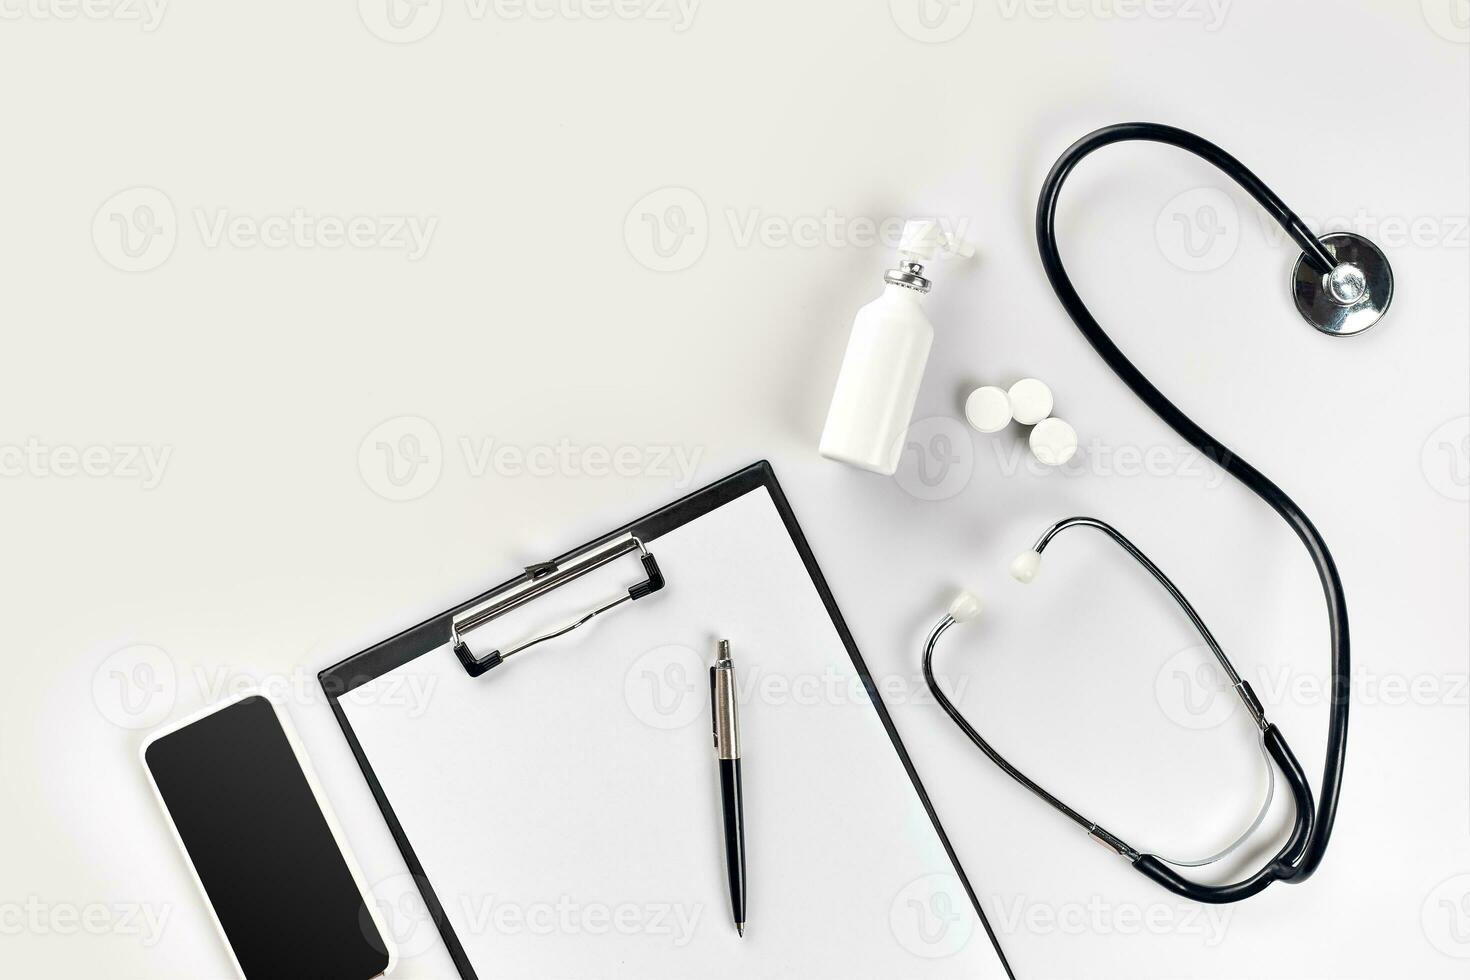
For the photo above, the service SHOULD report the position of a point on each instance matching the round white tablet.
(1053, 442)
(1031, 401)
(988, 409)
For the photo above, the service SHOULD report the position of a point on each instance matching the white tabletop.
(321, 320)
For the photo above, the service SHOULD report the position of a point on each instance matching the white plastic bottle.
(885, 359)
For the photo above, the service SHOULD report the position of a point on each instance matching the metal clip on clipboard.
(536, 582)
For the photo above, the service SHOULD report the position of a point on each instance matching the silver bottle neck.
(909, 275)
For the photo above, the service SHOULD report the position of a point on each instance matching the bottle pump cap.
(921, 242)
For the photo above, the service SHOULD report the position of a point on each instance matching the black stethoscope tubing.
(1305, 846)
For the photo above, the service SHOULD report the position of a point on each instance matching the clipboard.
(478, 819)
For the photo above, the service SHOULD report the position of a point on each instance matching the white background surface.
(536, 321)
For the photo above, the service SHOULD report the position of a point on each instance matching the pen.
(727, 750)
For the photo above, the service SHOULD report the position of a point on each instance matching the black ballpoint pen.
(727, 750)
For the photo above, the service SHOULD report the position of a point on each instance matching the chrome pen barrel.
(723, 705)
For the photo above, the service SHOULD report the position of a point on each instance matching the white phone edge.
(304, 761)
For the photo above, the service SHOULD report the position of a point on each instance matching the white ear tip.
(1025, 566)
(965, 608)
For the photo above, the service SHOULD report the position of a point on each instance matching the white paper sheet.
(566, 805)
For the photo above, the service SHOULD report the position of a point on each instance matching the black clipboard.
(344, 677)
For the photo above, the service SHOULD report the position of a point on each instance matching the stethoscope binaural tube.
(1282, 867)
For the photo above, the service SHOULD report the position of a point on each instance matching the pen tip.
(740, 929)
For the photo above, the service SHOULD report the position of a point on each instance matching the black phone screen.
(263, 849)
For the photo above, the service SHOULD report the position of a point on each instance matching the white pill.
(1053, 442)
(988, 409)
(1031, 401)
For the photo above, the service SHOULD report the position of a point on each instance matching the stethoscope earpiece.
(965, 608)
(1025, 566)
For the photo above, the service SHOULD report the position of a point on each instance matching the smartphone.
(263, 845)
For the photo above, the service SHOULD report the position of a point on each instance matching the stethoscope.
(1342, 285)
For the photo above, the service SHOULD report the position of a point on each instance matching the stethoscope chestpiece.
(1351, 297)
